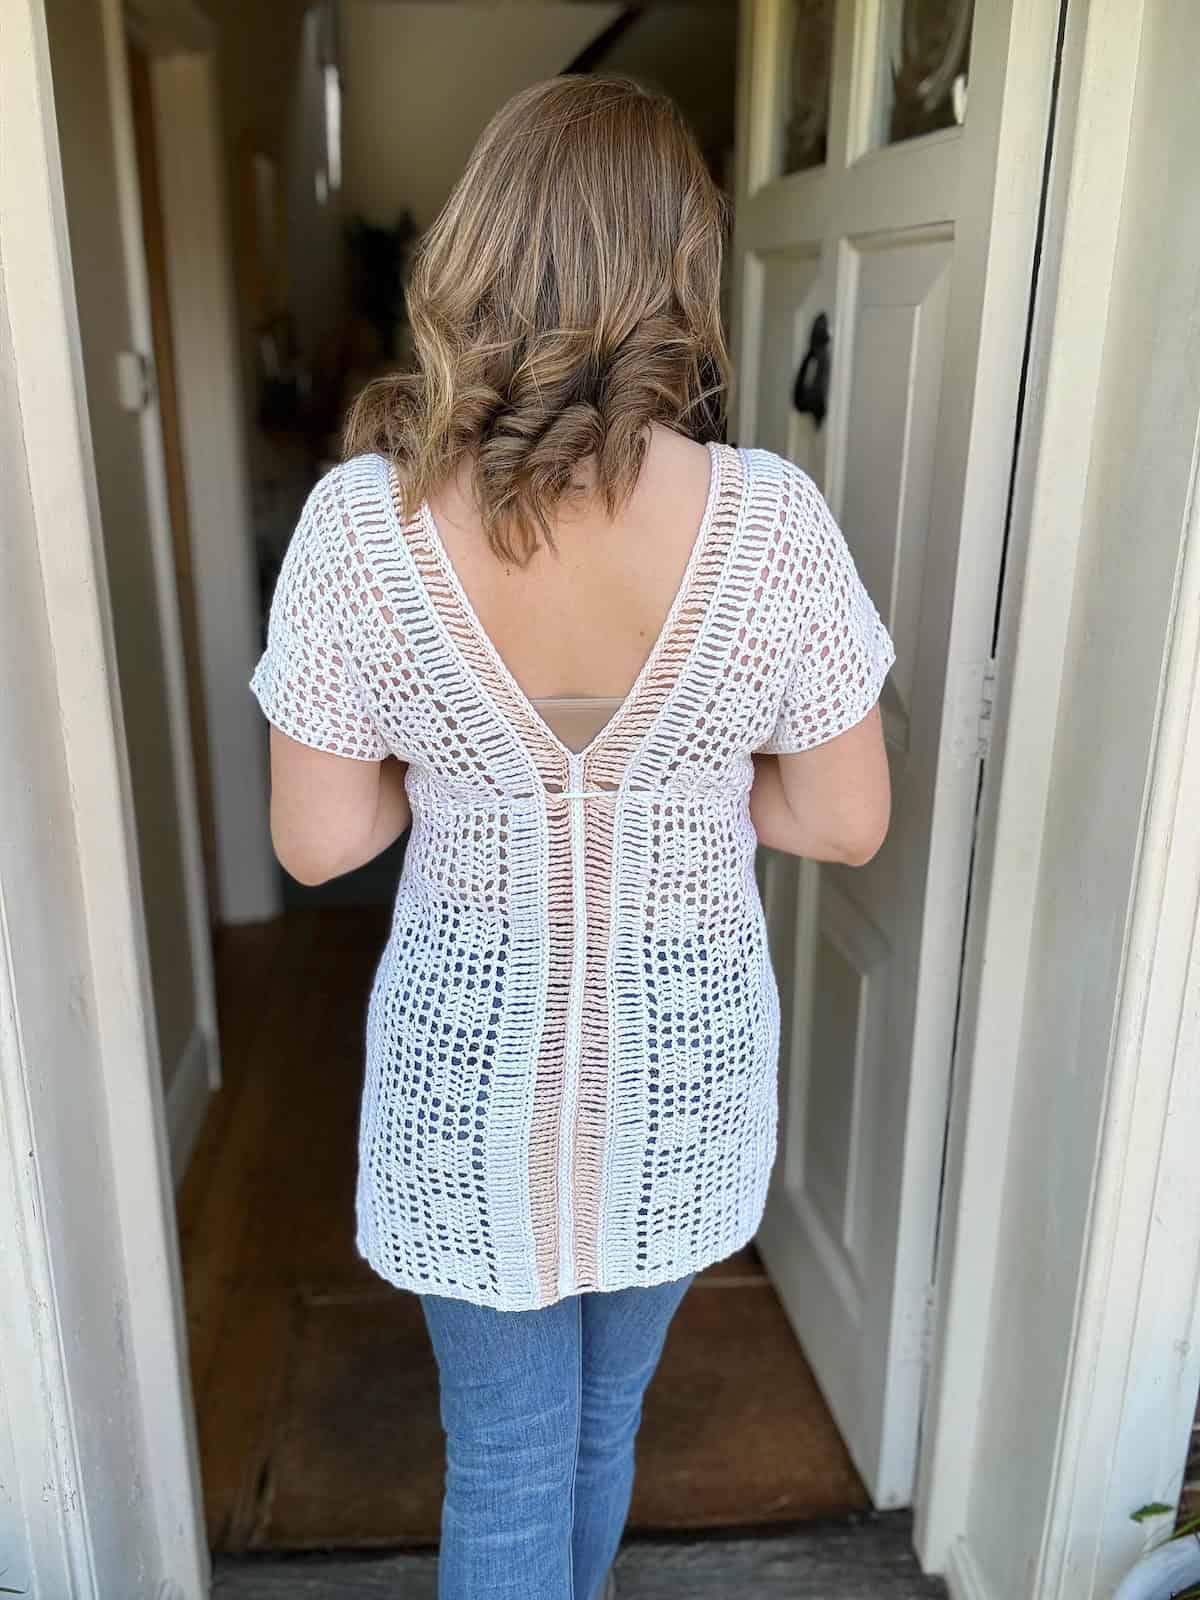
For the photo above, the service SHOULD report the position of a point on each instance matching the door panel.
(896, 324)
(868, 959)
(790, 290)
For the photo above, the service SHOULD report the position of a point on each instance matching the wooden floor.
(314, 1382)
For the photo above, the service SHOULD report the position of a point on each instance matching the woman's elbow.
(862, 842)
(859, 852)
(309, 861)
(307, 869)
(845, 848)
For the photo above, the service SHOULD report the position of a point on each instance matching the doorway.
(288, 1330)
(91, 1334)
(786, 254)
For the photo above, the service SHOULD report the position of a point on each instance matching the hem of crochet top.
(861, 706)
(507, 1303)
(294, 731)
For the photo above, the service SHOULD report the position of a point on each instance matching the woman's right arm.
(331, 814)
(831, 802)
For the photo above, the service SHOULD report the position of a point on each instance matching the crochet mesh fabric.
(573, 1029)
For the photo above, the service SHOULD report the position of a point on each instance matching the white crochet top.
(573, 1030)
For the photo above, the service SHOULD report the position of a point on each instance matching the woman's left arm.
(330, 813)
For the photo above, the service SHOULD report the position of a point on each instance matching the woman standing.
(595, 656)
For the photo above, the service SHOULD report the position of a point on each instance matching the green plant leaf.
(1154, 1509)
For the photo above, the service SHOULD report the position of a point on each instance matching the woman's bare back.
(580, 621)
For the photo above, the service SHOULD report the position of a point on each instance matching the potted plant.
(1169, 1570)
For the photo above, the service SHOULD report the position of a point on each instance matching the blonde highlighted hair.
(566, 297)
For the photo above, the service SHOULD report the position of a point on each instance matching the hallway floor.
(315, 1386)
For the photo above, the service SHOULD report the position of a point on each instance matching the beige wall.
(259, 50)
(423, 79)
(690, 52)
(90, 182)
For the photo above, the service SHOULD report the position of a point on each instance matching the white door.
(905, 246)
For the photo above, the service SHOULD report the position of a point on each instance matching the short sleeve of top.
(305, 680)
(842, 652)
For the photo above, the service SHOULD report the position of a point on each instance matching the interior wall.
(1138, 502)
(272, 103)
(90, 183)
(422, 80)
(690, 52)
(263, 49)
(315, 284)
(278, 236)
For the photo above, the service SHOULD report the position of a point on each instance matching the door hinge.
(135, 380)
(987, 706)
(972, 690)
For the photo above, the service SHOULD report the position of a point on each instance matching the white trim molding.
(189, 1090)
(1068, 1347)
(1134, 1367)
(212, 425)
(100, 1363)
(1070, 314)
(961, 1575)
(166, 583)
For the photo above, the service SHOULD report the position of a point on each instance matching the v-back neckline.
(483, 641)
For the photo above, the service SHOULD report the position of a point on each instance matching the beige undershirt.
(576, 719)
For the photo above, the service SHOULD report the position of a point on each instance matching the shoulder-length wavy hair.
(566, 297)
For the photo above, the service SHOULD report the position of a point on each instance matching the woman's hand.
(830, 803)
(330, 814)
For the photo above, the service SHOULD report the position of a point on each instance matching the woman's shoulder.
(345, 512)
(352, 487)
(348, 502)
(768, 468)
(785, 495)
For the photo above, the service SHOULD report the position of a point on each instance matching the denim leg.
(510, 1409)
(623, 1335)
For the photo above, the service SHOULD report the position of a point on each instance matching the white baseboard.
(962, 1576)
(188, 1094)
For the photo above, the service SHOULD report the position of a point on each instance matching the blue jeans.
(540, 1410)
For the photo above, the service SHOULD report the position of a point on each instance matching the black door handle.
(810, 395)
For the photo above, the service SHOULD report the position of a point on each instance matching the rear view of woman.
(595, 656)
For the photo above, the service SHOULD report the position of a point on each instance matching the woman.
(572, 1037)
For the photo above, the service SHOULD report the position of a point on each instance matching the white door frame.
(1071, 316)
(1131, 1377)
(193, 1078)
(106, 1494)
(180, 42)
(91, 1329)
